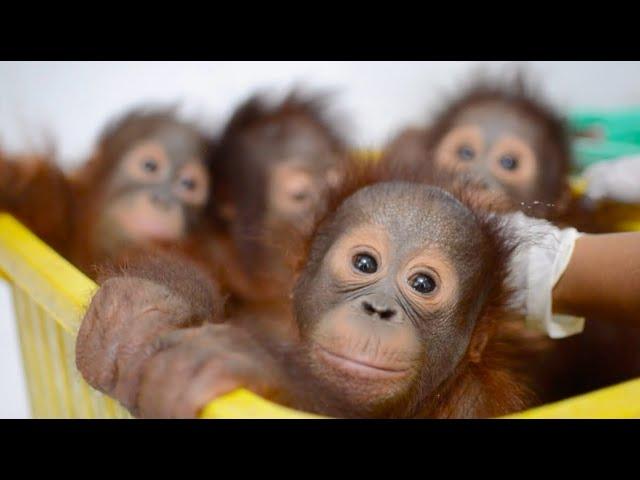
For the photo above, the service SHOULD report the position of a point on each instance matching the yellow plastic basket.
(50, 296)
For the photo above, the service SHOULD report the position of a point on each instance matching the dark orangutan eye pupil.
(465, 152)
(150, 165)
(365, 263)
(189, 183)
(300, 196)
(509, 162)
(422, 283)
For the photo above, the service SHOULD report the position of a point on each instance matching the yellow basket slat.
(52, 282)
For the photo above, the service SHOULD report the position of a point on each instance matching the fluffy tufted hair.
(259, 108)
(122, 132)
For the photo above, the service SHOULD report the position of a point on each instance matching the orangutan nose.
(381, 311)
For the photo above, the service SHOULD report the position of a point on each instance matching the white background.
(68, 102)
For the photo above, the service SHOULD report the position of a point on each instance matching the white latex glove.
(539, 260)
(616, 180)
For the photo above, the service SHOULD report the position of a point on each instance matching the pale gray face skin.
(408, 317)
(157, 191)
(162, 158)
(302, 164)
(496, 120)
(496, 147)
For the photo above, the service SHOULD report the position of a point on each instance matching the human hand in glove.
(560, 276)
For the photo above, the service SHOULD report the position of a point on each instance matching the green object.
(616, 134)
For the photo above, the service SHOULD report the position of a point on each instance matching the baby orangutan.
(399, 305)
(502, 137)
(147, 181)
(274, 165)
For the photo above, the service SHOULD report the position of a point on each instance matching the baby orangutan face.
(295, 189)
(498, 148)
(158, 189)
(388, 302)
(302, 164)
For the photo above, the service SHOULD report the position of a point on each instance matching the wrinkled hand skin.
(196, 365)
(119, 333)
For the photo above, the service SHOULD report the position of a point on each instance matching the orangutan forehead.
(179, 141)
(497, 118)
(414, 215)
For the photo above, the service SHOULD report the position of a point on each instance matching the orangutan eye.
(300, 196)
(365, 263)
(508, 162)
(422, 283)
(150, 165)
(188, 183)
(465, 152)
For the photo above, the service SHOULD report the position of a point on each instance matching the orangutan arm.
(139, 301)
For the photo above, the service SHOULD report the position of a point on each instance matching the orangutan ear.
(477, 345)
